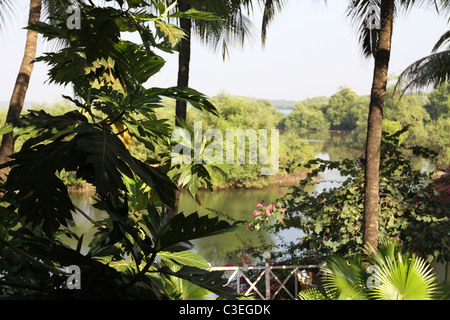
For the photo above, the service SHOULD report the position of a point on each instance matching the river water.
(236, 203)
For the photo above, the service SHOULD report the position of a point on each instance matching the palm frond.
(433, 70)
(345, 279)
(222, 34)
(385, 273)
(7, 12)
(442, 41)
(361, 14)
(232, 27)
(52, 9)
(428, 72)
(270, 9)
(404, 278)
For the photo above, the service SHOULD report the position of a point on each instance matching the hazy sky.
(311, 50)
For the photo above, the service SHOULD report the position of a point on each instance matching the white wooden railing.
(300, 274)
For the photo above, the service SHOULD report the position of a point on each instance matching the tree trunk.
(21, 85)
(184, 58)
(374, 128)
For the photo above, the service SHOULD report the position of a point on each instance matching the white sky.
(311, 50)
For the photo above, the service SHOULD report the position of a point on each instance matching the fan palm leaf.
(397, 275)
(345, 279)
(402, 277)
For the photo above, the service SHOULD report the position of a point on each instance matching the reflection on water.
(83, 226)
(236, 203)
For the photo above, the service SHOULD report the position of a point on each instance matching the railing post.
(238, 281)
(266, 256)
(267, 270)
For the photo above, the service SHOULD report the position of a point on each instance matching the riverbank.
(279, 179)
(82, 187)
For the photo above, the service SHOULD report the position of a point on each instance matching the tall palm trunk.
(21, 85)
(184, 59)
(373, 143)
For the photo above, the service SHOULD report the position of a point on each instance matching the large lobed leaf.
(95, 153)
(183, 228)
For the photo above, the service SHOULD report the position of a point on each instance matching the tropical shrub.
(330, 221)
(388, 273)
(306, 117)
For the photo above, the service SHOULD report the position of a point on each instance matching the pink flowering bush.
(266, 214)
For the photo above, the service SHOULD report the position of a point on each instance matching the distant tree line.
(427, 114)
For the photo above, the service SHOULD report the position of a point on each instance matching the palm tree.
(22, 81)
(374, 42)
(184, 58)
(233, 27)
(26, 68)
(382, 55)
(378, 44)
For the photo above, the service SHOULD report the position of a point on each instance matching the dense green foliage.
(427, 115)
(341, 111)
(138, 251)
(116, 135)
(242, 113)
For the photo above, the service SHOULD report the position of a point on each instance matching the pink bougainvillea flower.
(281, 191)
(359, 163)
(257, 213)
